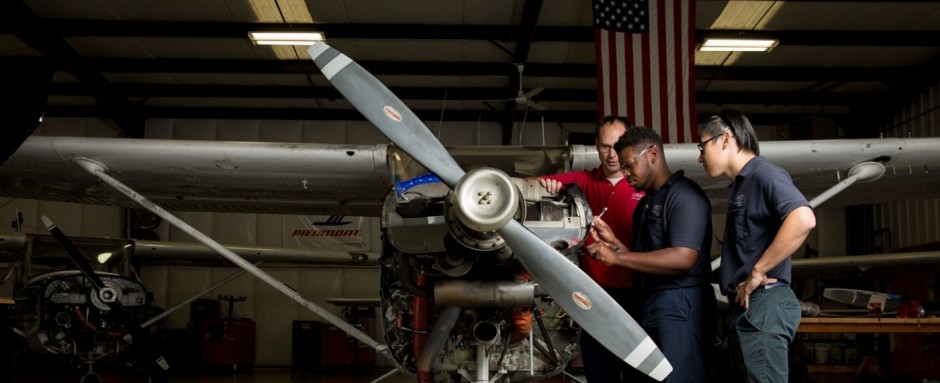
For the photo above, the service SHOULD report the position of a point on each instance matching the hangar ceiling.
(855, 63)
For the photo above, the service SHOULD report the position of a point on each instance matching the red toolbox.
(337, 350)
(228, 342)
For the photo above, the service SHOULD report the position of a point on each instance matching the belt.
(771, 286)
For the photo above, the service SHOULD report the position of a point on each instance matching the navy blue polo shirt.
(676, 215)
(762, 195)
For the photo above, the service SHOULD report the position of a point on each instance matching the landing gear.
(90, 376)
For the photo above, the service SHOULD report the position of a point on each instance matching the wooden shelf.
(880, 325)
(831, 368)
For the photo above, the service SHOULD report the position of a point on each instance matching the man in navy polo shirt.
(670, 252)
(768, 219)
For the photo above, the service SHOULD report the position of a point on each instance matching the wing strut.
(861, 172)
(194, 297)
(98, 170)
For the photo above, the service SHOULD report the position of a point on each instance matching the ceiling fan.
(525, 98)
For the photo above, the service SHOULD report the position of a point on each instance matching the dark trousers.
(681, 322)
(600, 365)
(759, 338)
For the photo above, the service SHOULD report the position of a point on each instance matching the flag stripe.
(603, 86)
(689, 53)
(647, 78)
(648, 73)
(678, 57)
(666, 77)
(626, 60)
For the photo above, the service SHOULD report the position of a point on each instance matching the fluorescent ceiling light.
(285, 38)
(742, 45)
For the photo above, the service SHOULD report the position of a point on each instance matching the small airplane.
(454, 299)
(64, 296)
(876, 303)
(83, 312)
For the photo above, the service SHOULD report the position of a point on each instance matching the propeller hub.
(485, 199)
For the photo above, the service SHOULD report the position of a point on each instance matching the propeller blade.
(386, 111)
(586, 302)
(574, 291)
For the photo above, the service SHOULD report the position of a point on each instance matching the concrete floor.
(269, 375)
(255, 376)
(258, 375)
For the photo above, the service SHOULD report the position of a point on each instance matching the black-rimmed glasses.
(701, 145)
(630, 164)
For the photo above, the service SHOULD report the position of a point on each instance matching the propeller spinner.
(585, 301)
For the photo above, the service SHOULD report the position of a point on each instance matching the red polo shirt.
(620, 200)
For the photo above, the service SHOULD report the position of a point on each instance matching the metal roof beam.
(463, 94)
(197, 29)
(20, 20)
(756, 118)
(490, 69)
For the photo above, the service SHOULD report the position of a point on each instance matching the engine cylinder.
(463, 293)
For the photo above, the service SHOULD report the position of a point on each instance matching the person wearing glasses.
(768, 219)
(604, 189)
(670, 253)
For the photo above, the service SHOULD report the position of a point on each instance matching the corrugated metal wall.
(914, 222)
(920, 118)
(911, 222)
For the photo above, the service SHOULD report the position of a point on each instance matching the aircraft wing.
(239, 177)
(912, 168)
(303, 178)
(204, 175)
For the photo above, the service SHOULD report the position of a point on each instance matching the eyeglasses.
(604, 148)
(630, 164)
(701, 145)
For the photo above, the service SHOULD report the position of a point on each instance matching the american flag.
(646, 64)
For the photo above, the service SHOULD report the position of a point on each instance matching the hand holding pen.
(594, 221)
(601, 232)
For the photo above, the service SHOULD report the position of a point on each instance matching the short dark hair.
(639, 138)
(739, 126)
(610, 119)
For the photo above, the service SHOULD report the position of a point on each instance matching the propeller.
(575, 292)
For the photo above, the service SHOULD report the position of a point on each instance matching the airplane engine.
(441, 251)
(62, 314)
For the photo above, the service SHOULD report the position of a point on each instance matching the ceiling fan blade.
(580, 296)
(533, 92)
(586, 302)
(386, 111)
(535, 105)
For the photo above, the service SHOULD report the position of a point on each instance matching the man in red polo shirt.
(605, 187)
